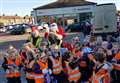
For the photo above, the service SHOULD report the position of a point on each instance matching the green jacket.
(35, 41)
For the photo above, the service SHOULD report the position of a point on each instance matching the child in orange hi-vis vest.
(101, 72)
(116, 66)
(29, 62)
(55, 64)
(40, 68)
(117, 58)
(72, 70)
(12, 65)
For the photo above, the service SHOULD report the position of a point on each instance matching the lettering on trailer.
(74, 10)
(80, 9)
(69, 10)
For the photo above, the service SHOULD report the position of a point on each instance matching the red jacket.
(68, 46)
(61, 31)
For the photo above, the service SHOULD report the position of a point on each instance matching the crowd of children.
(53, 60)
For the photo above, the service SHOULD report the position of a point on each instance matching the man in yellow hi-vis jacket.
(35, 38)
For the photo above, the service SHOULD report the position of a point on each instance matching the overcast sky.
(23, 7)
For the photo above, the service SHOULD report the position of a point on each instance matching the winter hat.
(11, 49)
(34, 28)
(54, 27)
(36, 32)
(40, 27)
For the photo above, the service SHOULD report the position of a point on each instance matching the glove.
(45, 71)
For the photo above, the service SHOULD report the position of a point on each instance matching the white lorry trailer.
(105, 19)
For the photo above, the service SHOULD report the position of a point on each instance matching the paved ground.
(3, 34)
(17, 44)
(8, 38)
(18, 41)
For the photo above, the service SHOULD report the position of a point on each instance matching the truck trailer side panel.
(105, 18)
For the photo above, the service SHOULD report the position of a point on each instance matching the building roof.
(65, 3)
(10, 17)
(15, 17)
(105, 4)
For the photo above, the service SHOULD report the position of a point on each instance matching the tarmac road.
(18, 40)
(16, 44)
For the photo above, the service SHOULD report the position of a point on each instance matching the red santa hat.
(36, 32)
(34, 28)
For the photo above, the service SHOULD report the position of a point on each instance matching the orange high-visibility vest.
(65, 69)
(102, 76)
(9, 73)
(39, 78)
(14, 72)
(116, 66)
(73, 74)
(30, 75)
(18, 62)
(57, 65)
(117, 56)
(42, 65)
